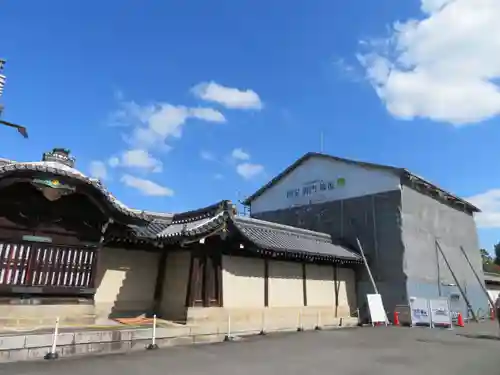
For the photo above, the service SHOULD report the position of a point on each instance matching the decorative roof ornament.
(60, 155)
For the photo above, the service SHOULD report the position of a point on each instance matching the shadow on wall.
(125, 284)
(175, 287)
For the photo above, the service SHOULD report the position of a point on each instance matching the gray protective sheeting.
(425, 221)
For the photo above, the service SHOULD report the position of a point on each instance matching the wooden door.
(204, 281)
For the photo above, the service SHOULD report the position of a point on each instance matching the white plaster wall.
(125, 282)
(346, 283)
(359, 181)
(285, 284)
(320, 286)
(175, 284)
(242, 282)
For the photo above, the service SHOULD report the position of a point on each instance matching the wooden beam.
(220, 284)
(266, 282)
(160, 281)
(336, 288)
(304, 283)
(189, 289)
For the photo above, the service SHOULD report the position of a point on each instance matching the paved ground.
(374, 351)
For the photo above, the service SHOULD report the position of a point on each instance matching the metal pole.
(299, 322)
(471, 310)
(438, 273)
(375, 235)
(367, 266)
(318, 321)
(153, 336)
(53, 353)
(263, 321)
(477, 276)
(228, 337)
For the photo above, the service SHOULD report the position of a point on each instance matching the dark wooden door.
(211, 284)
(204, 281)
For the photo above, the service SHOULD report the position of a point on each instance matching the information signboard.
(440, 312)
(377, 311)
(420, 315)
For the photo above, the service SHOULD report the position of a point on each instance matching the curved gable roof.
(121, 211)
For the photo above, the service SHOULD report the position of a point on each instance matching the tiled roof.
(59, 169)
(273, 236)
(5, 161)
(189, 225)
(193, 228)
(195, 225)
(150, 230)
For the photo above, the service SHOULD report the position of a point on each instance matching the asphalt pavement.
(375, 351)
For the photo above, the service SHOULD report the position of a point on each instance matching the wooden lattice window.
(46, 268)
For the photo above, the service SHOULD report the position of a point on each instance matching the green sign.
(53, 183)
(37, 239)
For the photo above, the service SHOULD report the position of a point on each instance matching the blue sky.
(192, 101)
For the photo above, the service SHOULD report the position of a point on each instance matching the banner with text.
(420, 314)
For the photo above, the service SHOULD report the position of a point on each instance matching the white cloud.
(141, 159)
(444, 66)
(146, 187)
(154, 124)
(137, 158)
(98, 170)
(207, 155)
(229, 97)
(239, 154)
(114, 162)
(489, 203)
(249, 170)
(207, 114)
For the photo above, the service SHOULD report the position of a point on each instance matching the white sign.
(420, 314)
(440, 312)
(377, 311)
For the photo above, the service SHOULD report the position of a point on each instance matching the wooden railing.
(37, 268)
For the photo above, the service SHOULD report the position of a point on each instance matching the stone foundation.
(249, 321)
(45, 315)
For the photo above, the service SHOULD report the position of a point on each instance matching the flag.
(2, 83)
(21, 129)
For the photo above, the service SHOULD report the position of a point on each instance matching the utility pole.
(21, 129)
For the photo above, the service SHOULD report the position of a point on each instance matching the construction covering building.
(420, 240)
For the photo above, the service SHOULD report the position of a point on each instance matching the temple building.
(420, 240)
(69, 248)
